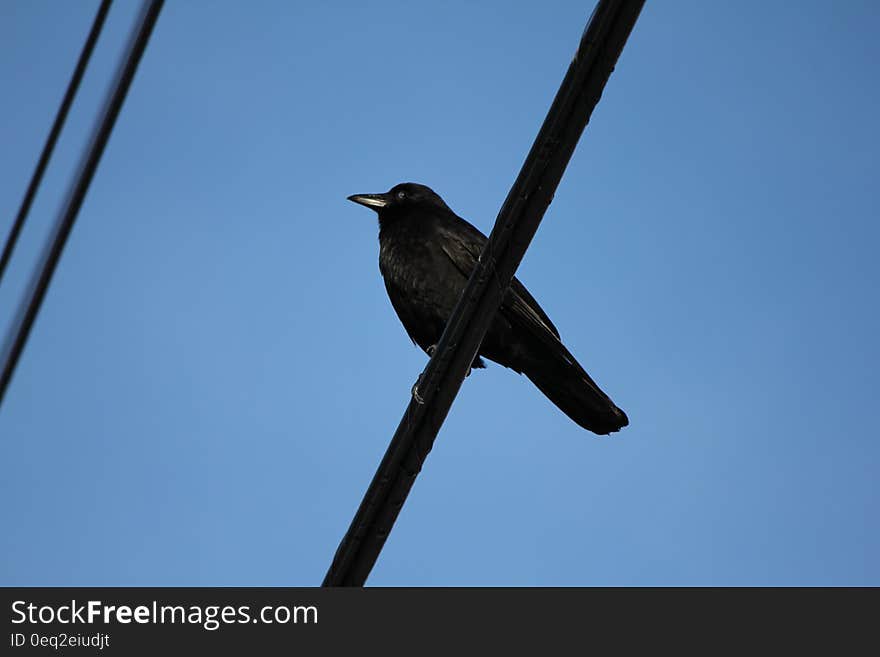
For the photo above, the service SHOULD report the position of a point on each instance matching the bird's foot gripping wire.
(415, 391)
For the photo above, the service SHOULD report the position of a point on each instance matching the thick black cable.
(49, 146)
(531, 194)
(30, 306)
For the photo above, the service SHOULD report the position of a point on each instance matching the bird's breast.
(421, 275)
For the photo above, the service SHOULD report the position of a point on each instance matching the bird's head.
(401, 199)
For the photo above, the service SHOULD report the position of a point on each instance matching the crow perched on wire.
(427, 254)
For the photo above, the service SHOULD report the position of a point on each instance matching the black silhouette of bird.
(427, 254)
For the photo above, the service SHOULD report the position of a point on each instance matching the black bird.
(427, 254)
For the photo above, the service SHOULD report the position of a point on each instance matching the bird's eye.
(401, 195)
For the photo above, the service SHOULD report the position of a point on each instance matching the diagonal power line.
(33, 298)
(57, 125)
(522, 211)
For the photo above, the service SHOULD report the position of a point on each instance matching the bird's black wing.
(555, 371)
(463, 243)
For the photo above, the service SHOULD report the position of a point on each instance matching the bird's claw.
(415, 391)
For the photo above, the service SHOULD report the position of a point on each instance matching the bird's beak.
(375, 201)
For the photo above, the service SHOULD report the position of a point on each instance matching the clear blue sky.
(217, 370)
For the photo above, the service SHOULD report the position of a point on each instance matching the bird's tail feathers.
(562, 379)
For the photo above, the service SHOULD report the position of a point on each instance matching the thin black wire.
(49, 146)
(19, 331)
(522, 211)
